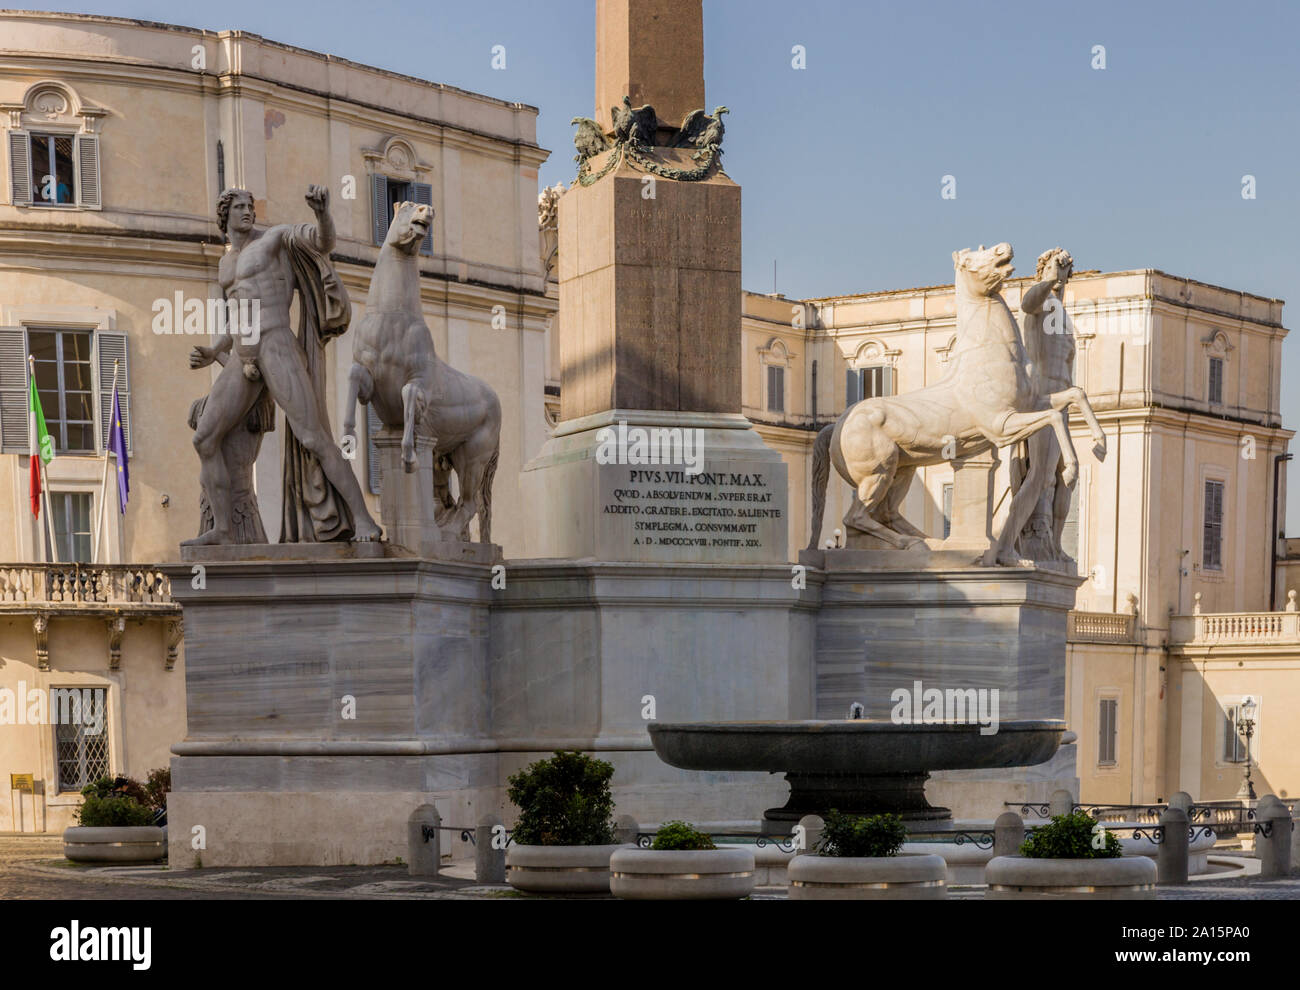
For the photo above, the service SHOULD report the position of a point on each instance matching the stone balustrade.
(111, 592)
(1235, 628)
(1102, 627)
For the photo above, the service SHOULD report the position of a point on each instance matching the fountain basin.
(856, 766)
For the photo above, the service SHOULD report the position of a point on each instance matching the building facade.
(119, 136)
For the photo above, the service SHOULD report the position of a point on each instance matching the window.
(947, 510)
(1234, 735)
(65, 384)
(1212, 532)
(74, 378)
(386, 193)
(775, 388)
(1216, 381)
(1107, 730)
(54, 170)
(80, 753)
(868, 383)
(374, 479)
(1070, 530)
(70, 513)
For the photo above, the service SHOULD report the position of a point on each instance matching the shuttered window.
(74, 378)
(852, 388)
(54, 170)
(947, 511)
(386, 193)
(1107, 730)
(1070, 531)
(1216, 381)
(1212, 538)
(869, 383)
(1234, 736)
(775, 388)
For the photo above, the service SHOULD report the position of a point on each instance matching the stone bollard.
(1172, 856)
(423, 858)
(626, 829)
(1062, 803)
(1008, 834)
(489, 861)
(812, 834)
(1274, 849)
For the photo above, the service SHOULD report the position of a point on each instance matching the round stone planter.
(845, 878)
(1127, 878)
(681, 874)
(559, 869)
(128, 844)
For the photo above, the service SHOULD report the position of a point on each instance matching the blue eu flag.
(117, 444)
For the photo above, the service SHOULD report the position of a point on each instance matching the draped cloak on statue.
(314, 510)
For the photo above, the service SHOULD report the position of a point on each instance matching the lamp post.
(1246, 721)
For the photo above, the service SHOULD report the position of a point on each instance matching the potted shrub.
(857, 859)
(564, 836)
(1071, 857)
(681, 864)
(115, 824)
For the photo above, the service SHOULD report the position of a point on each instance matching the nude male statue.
(268, 266)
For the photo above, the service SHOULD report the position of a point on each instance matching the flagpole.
(40, 469)
(103, 484)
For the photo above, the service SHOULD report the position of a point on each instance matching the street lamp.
(1246, 720)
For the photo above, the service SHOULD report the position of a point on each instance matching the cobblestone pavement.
(32, 867)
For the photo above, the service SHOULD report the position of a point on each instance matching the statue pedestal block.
(971, 526)
(612, 487)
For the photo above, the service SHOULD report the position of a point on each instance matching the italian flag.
(40, 446)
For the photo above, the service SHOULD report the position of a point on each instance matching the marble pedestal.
(612, 486)
(328, 699)
(884, 630)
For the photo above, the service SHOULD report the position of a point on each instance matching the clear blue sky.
(1136, 166)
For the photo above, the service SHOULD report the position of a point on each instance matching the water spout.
(856, 710)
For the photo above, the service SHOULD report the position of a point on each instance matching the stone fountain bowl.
(857, 766)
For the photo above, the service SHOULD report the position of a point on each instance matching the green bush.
(681, 835)
(111, 812)
(1070, 837)
(859, 835)
(564, 801)
(156, 788)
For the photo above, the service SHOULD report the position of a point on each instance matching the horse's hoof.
(408, 465)
(1099, 451)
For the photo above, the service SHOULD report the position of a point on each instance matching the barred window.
(81, 754)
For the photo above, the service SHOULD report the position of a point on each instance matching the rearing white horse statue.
(985, 400)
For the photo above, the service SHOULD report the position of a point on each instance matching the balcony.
(1102, 627)
(113, 593)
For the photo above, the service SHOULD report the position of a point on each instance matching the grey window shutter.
(379, 207)
(423, 193)
(1070, 531)
(20, 167)
(13, 390)
(373, 426)
(852, 387)
(88, 195)
(888, 383)
(109, 346)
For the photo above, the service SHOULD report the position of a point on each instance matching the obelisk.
(652, 459)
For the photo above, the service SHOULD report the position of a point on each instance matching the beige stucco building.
(140, 126)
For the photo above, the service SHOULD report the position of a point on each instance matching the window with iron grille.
(775, 388)
(1212, 541)
(1216, 381)
(1107, 730)
(81, 754)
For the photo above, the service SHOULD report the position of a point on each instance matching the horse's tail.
(821, 474)
(485, 499)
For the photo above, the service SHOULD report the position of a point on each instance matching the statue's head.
(410, 225)
(983, 270)
(236, 210)
(1060, 260)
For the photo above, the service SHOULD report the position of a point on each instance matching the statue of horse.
(396, 369)
(985, 400)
